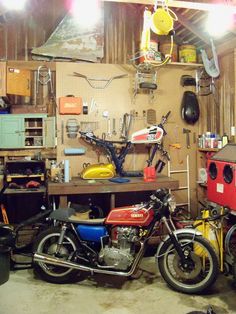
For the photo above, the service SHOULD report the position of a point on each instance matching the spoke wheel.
(200, 270)
(47, 243)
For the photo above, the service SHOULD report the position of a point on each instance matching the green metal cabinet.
(27, 131)
(11, 131)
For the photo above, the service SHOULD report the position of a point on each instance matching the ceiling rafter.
(181, 4)
(182, 20)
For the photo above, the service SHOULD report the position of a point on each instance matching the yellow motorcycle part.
(98, 171)
(211, 231)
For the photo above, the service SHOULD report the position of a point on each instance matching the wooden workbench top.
(80, 186)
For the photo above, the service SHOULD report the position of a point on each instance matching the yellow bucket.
(187, 54)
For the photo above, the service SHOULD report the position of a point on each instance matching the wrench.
(109, 127)
(114, 126)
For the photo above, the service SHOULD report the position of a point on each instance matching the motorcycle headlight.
(172, 203)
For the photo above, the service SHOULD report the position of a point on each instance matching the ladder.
(184, 187)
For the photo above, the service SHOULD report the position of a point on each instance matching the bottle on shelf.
(224, 139)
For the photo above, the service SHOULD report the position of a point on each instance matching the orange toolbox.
(70, 105)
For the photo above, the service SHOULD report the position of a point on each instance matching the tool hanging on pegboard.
(125, 126)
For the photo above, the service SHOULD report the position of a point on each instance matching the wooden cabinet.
(27, 131)
(18, 81)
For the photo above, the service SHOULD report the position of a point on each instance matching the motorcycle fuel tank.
(151, 134)
(129, 216)
(98, 171)
(91, 233)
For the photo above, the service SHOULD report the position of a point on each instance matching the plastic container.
(6, 242)
(165, 49)
(149, 174)
(70, 105)
(224, 140)
(187, 54)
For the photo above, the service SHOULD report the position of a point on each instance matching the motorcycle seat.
(69, 215)
(97, 221)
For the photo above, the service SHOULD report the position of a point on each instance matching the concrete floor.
(25, 294)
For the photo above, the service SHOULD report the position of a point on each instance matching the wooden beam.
(226, 47)
(182, 20)
(181, 4)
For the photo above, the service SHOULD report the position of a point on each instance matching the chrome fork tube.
(61, 238)
(174, 240)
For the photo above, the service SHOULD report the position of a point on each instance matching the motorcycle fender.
(193, 232)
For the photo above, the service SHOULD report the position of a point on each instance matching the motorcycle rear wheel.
(46, 243)
(203, 272)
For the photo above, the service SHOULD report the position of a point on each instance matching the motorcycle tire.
(189, 281)
(46, 243)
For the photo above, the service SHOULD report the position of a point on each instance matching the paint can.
(165, 48)
(187, 54)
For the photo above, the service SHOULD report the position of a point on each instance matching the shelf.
(188, 66)
(33, 146)
(25, 191)
(208, 149)
(19, 176)
(33, 127)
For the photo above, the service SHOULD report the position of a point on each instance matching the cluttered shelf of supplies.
(80, 186)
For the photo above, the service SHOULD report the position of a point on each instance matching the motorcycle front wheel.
(46, 243)
(201, 271)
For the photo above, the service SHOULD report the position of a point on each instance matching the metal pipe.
(48, 259)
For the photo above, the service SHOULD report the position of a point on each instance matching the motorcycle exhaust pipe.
(48, 259)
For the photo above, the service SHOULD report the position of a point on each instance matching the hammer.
(187, 131)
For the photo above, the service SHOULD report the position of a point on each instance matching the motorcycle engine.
(121, 253)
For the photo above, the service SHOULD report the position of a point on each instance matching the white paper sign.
(220, 188)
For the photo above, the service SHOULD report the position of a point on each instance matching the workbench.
(79, 186)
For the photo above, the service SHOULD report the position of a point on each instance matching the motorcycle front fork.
(60, 240)
(171, 228)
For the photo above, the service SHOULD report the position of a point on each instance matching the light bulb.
(219, 21)
(14, 4)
